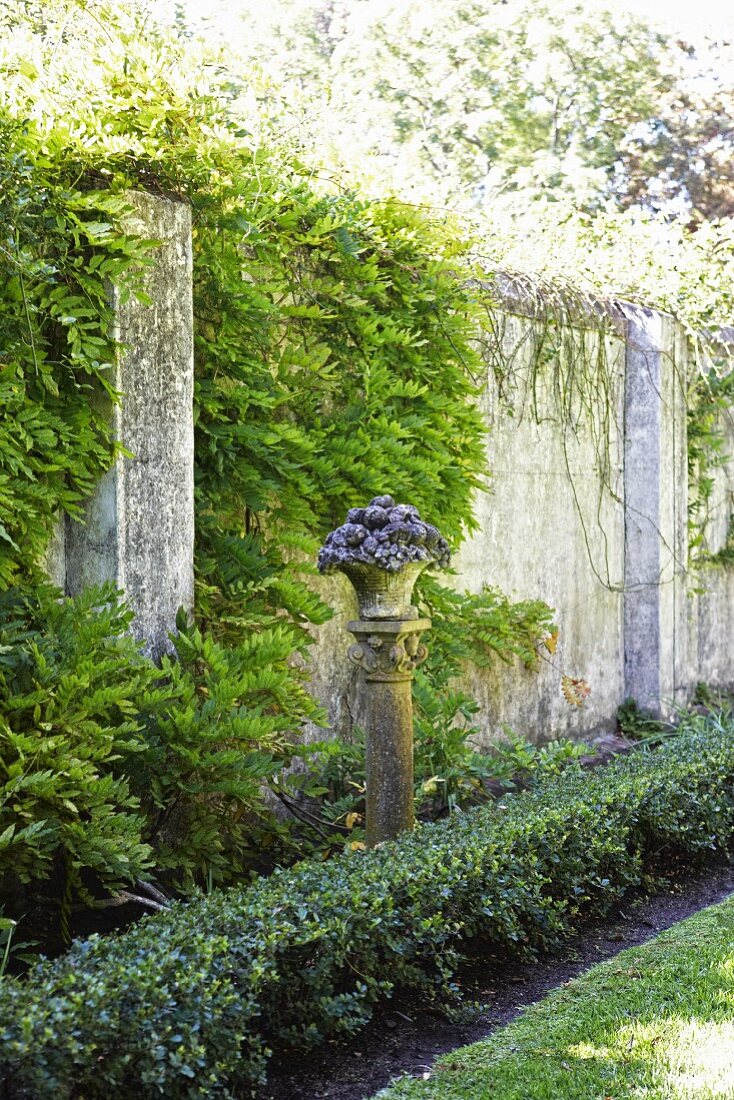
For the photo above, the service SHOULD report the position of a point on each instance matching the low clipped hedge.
(187, 1003)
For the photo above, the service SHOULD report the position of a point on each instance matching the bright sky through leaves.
(704, 17)
(713, 17)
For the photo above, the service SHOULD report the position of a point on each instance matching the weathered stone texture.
(54, 563)
(589, 514)
(139, 526)
(386, 654)
(551, 527)
(711, 620)
(655, 496)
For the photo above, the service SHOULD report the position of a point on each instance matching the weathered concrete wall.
(586, 509)
(711, 604)
(333, 679)
(552, 528)
(138, 528)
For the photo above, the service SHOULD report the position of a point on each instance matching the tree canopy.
(460, 102)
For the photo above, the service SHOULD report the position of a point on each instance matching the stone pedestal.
(388, 652)
(383, 548)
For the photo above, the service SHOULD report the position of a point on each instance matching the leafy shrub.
(228, 724)
(70, 683)
(448, 770)
(641, 726)
(112, 768)
(188, 1002)
(479, 627)
(516, 761)
(327, 795)
(449, 773)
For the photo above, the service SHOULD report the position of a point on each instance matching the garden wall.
(586, 507)
(711, 597)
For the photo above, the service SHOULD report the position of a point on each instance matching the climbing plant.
(59, 244)
(333, 337)
(334, 356)
(553, 351)
(709, 405)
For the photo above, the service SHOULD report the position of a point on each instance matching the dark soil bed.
(405, 1038)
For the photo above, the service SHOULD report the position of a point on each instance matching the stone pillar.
(138, 529)
(389, 653)
(655, 496)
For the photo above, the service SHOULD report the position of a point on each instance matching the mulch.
(406, 1035)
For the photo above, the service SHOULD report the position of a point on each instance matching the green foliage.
(709, 405)
(334, 357)
(13, 950)
(653, 1021)
(450, 774)
(516, 114)
(304, 956)
(468, 629)
(713, 699)
(59, 244)
(227, 729)
(479, 627)
(7, 927)
(110, 766)
(334, 336)
(326, 793)
(342, 370)
(449, 771)
(321, 378)
(518, 762)
(70, 684)
(328, 797)
(467, 102)
(641, 726)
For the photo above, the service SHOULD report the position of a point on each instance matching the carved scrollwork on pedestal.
(388, 650)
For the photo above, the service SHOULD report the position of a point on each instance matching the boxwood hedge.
(188, 1003)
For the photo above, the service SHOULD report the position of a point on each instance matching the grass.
(654, 1023)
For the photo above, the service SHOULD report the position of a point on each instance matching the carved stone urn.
(383, 595)
(383, 549)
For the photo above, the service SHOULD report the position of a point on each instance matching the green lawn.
(656, 1022)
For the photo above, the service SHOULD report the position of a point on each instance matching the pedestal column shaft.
(389, 759)
(388, 651)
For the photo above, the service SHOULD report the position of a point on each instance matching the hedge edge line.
(187, 1003)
